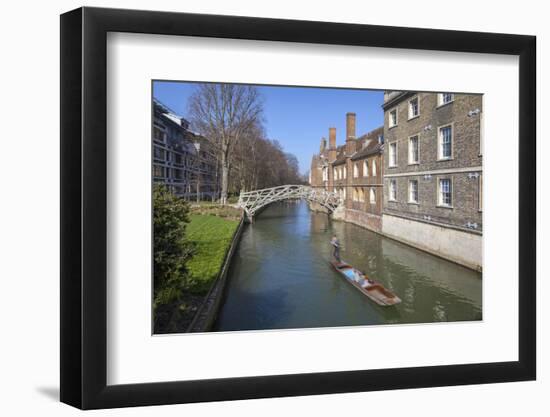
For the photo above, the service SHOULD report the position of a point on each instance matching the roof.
(340, 155)
(397, 98)
(370, 144)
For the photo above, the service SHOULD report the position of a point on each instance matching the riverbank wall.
(460, 247)
(206, 315)
(359, 218)
(315, 206)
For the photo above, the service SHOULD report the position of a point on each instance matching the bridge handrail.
(251, 201)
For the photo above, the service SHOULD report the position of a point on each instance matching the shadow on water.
(280, 277)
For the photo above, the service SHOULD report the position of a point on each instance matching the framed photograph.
(256, 208)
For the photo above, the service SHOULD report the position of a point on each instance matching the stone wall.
(315, 206)
(366, 220)
(462, 247)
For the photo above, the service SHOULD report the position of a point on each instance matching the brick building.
(354, 171)
(182, 160)
(433, 173)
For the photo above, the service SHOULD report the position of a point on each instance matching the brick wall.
(466, 156)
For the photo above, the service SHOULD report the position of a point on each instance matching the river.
(280, 277)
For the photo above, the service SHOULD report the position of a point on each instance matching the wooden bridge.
(252, 201)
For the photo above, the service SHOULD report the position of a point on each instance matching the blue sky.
(297, 116)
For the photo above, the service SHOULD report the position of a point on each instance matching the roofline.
(397, 99)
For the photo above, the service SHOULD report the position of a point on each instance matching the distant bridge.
(252, 201)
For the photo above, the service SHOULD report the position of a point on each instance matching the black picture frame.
(84, 207)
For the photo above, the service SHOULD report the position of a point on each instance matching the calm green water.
(280, 277)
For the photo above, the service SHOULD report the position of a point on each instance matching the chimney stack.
(350, 133)
(323, 145)
(332, 138)
(331, 144)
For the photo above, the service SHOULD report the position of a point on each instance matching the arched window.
(374, 168)
(366, 168)
(373, 196)
(355, 170)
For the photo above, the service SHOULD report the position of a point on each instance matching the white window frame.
(395, 164)
(440, 102)
(411, 200)
(480, 192)
(440, 156)
(365, 168)
(392, 195)
(409, 108)
(439, 194)
(372, 195)
(481, 126)
(390, 123)
(410, 161)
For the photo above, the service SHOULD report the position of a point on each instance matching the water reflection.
(280, 277)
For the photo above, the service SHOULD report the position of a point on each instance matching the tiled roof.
(372, 144)
(340, 155)
(373, 147)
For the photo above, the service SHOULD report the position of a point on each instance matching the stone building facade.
(354, 171)
(433, 173)
(182, 160)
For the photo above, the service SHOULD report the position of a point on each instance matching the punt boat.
(372, 289)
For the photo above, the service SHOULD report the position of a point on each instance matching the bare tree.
(225, 113)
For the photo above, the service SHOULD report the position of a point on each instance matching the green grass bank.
(211, 236)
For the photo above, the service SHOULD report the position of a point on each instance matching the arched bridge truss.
(252, 201)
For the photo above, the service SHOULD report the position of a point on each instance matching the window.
(393, 118)
(335, 173)
(481, 134)
(365, 169)
(356, 170)
(480, 193)
(178, 159)
(361, 195)
(158, 134)
(344, 193)
(158, 171)
(445, 192)
(413, 150)
(393, 190)
(374, 167)
(413, 191)
(372, 196)
(159, 153)
(414, 110)
(445, 98)
(393, 154)
(345, 172)
(445, 142)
